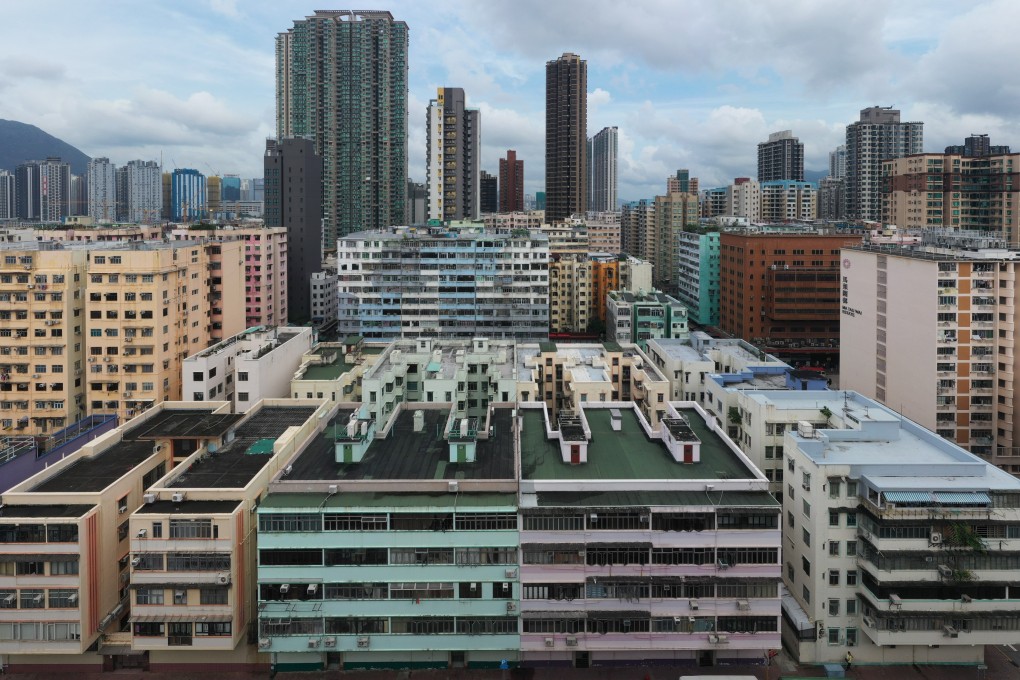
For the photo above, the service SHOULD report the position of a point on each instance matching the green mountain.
(20, 142)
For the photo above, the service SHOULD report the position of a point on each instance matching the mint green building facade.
(698, 275)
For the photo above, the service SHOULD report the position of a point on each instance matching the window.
(851, 607)
(851, 637)
(851, 548)
(805, 565)
(213, 596)
(833, 607)
(834, 636)
(180, 597)
(851, 489)
(63, 598)
(833, 518)
(217, 628)
(834, 577)
(851, 519)
(851, 577)
(806, 536)
(149, 596)
(242, 376)
(806, 507)
(180, 635)
(833, 548)
(807, 595)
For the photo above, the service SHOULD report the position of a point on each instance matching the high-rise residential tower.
(878, 136)
(143, 195)
(341, 81)
(452, 133)
(293, 173)
(602, 170)
(8, 210)
(43, 190)
(682, 183)
(837, 162)
(511, 183)
(566, 136)
(781, 157)
(102, 190)
(488, 193)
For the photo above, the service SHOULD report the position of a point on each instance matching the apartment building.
(150, 306)
(567, 237)
(410, 282)
(639, 317)
(929, 331)
(324, 298)
(698, 274)
(637, 228)
(579, 287)
(789, 201)
(469, 375)
(531, 220)
(334, 370)
(673, 213)
(899, 544)
(877, 137)
(42, 320)
(643, 544)
(781, 290)
(953, 190)
(603, 232)
(781, 158)
(452, 152)
(265, 268)
(566, 377)
(253, 365)
(396, 546)
(93, 234)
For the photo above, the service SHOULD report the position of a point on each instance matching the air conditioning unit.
(149, 498)
(723, 564)
(313, 643)
(510, 573)
(178, 497)
(265, 643)
(136, 561)
(511, 607)
(285, 588)
(950, 631)
(129, 339)
(92, 360)
(966, 599)
(329, 642)
(50, 322)
(106, 360)
(312, 588)
(868, 621)
(35, 376)
(31, 286)
(550, 642)
(743, 605)
(9, 599)
(935, 538)
(142, 533)
(223, 578)
(363, 642)
(945, 571)
(127, 394)
(72, 598)
(694, 605)
(571, 642)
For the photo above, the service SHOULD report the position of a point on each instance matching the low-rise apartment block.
(579, 287)
(256, 364)
(334, 370)
(639, 317)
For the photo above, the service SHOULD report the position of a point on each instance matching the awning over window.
(962, 498)
(908, 497)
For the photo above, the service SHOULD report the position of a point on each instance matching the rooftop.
(327, 371)
(348, 500)
(58, 511)
(91, 475)
(406, 454)
(447, 365)
(676, 348)
(234, 466)
(639, 497)
(627, 454)
(184, 424)
(188, 508)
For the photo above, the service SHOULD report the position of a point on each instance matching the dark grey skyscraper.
(566, 137)
(293, 176)
(489, 189)
(782, 157)
(453, 144)
(341, 80)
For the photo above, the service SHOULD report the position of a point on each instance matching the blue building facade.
(187, 195)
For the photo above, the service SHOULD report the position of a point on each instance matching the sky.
(689, 84)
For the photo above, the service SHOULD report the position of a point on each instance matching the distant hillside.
(20, 142)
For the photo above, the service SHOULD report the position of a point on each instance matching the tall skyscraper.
(8, 204)
(293, 174)
(489, 193)
(511, 183)
(102, 190)
(452, 133)
(143, 196)
(782, 157)
(837, 162)
(43, 190)
(878, 136)
(187, 195)
(566, 137)
(602, 170)
(341, 81)
(230, 188)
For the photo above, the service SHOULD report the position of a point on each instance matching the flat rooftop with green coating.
(330, 371)
(625, 454)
